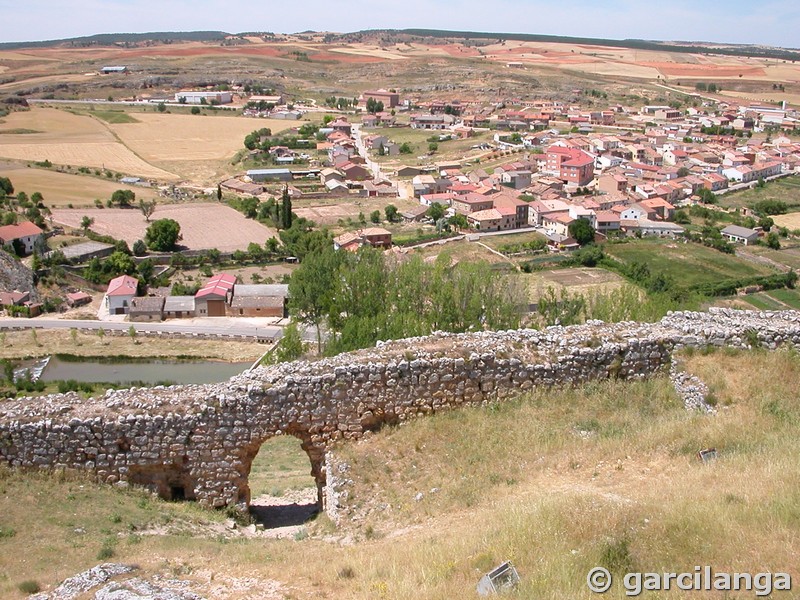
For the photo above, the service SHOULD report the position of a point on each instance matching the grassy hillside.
(557, 481)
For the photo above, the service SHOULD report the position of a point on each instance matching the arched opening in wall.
(283, 493)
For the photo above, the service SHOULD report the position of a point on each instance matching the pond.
(140, 372)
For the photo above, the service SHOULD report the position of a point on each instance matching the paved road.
(271, 332)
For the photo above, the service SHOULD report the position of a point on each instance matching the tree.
(139, 248)
(773, 241)
(405, 148)
(433, 147)
(219, 193)
(375, 216)
(374, 106)
(162, 235)
(391, 213)
(195, 110)
(582, 231)
(123, 198)
(6, 187)
(86, 223)
(766, 223)
(162, 107)
(435, 211)
(290, 347)
(147, 208)
(684, 172)
(286, 209)
(312, 286)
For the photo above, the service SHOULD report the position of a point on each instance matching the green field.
(498, 241)
(786, 190)
(418, 140)
(687, 264)
(789, 256)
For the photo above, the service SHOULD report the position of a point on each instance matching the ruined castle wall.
(199, 441)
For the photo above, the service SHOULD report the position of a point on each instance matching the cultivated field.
(61, 189)
(686, 263)
(330, 211)
(203, 225)
(575, 281)
(193, 146)
(790, 221)
(64, 138)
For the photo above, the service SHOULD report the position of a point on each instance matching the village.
(538, 166)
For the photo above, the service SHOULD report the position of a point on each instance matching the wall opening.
(283, 492)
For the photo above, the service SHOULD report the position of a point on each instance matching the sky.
(768, 22)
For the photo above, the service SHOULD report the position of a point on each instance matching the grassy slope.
(688, 264)
(786, 190)
(515, 481)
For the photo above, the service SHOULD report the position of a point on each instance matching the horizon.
(702, 21)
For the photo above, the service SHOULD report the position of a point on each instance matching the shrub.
(29, 587)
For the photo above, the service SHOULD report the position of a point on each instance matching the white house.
(121, 292)
(740, 235)
(25, 233)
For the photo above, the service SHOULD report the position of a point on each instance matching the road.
(272, 332)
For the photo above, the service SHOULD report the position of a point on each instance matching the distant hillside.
(698, 48)
(107, 39)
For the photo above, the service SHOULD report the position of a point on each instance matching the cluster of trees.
(770, 207)
(341, 103)
(362, 297)
(253, 139)
(32, 208)
(701, 86)
(271, 213)
(374, 106)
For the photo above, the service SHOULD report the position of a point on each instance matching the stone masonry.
(198, 441)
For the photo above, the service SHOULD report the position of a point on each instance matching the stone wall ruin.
(197, 442)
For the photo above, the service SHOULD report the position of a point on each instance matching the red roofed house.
(27, 233)
(572, 165)
(377, 237)
(121, 292)
(212, 298)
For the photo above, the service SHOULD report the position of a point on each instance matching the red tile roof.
(124, 285)
(20, 230)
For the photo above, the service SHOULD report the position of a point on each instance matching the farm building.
(114, 69)
(179, 307)
(259, 300)
(740, 235)
(25, 234)
(191, 97)
(270, 174)
(75, 299)
(389, 99)
(146, 309)
(212, 298)
(121, 292)
(84, 251)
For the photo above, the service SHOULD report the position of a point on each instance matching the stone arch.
(248, 452)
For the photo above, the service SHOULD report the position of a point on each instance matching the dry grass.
(62, 189)
(203, 225)
(790, 221)
(558, 482)
(20, 344)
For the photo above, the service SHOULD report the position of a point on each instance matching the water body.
(152, 371)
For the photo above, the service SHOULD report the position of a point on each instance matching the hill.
(559, 481)
(107, 39)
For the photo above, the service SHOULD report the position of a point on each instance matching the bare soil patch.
(203, 225)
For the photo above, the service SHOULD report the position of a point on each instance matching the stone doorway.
(283, 492)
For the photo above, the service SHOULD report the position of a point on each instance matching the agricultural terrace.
(203, 225)
(62, 189)
(687, 264)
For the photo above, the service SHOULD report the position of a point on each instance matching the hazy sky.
(771, 22)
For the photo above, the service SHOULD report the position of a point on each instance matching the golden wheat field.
(65, 138)
(61, 189)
